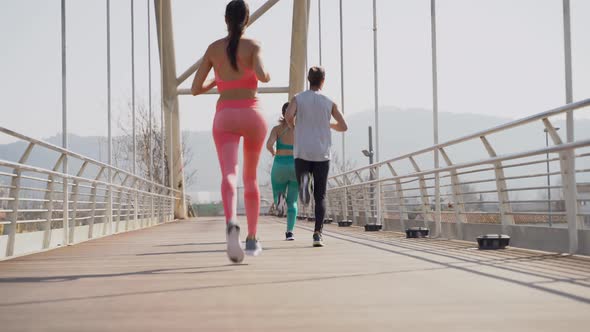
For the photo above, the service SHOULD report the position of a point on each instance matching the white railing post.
(368, 204)
(339, 202)
(152, 209)
(336, 204)
(130, 209)
(347, 200)
(423, 193)
(570, 193)
(136, 221)
(93, 206)
(506, 216)
(66, 203)
(120, 207)
(140, 199)
(344, 203)
(403, 215)
(48, 205)
(75, 195)
(113, 226)
(49, 198)
(161, 207)
(14, 194)
(568, 179)
(459, 207)
(107, 227)
(377, 198)
(364, 191)
(343, 206)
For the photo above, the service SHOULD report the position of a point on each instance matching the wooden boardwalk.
(176, 277)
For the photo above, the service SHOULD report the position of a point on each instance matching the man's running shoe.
(234, 250)
(289, 236)
(317, 239)
(304, 196)
(253, 247)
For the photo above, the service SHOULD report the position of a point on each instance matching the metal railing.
(495, 189)
(42, 208)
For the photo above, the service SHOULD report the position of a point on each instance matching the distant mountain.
(402, 131)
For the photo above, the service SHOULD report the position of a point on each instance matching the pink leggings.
(235, 119)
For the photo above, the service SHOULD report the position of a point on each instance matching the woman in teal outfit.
(282, 176)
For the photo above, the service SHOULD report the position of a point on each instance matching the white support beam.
(74, 198)
(93, 192)
(14, 194)
(459, 207)
(505, 209)
(552, 132)
(423, 193)
(214, 91)
(49, 197)
(298, 48)
(403, 215)
(170, 103)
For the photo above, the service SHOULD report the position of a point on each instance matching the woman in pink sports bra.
(238, 67)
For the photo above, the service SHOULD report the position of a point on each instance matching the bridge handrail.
(80, 157)
(30, 168)
(381, 189)
(486, 132)
(89, 200)
(512, 156)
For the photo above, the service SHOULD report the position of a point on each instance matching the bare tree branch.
(152, 155)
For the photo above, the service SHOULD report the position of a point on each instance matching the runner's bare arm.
(262, 75)
(291, 112)
(272, 138)
(340, 124)
(199, 85)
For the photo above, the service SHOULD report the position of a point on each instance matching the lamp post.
(369, 154)
(548, 176)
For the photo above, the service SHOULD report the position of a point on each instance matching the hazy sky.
(498, 57)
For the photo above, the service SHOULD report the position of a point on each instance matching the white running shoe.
(253, 247)
(317, 239)
(304, 196)
(234, 250)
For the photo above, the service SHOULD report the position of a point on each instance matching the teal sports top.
(281, 145)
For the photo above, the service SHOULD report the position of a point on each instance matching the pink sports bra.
(247, 81)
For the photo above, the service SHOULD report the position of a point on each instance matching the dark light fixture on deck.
(417, 232)
(345, 223)
(493, 241)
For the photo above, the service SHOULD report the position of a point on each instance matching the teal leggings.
(283, 180)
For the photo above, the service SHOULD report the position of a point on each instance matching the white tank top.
(313, 137)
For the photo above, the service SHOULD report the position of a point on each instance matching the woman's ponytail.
(237, 15)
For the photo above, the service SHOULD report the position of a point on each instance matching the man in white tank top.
(310, 113)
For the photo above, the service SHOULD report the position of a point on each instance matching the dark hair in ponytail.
(237, 15)
(282, 118)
